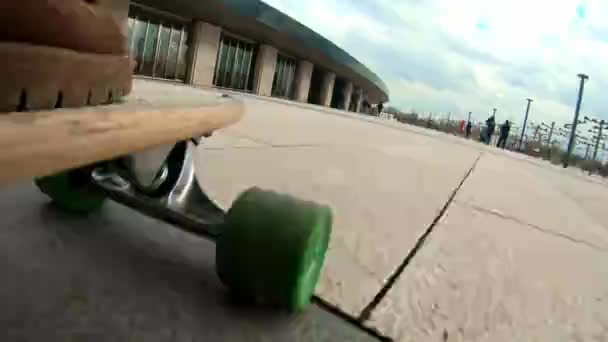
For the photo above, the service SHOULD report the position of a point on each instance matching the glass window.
(220, 66)
(161, 58)
(290, 79)
(131, 25)
(229, 64)
(149, 50)
(234, 64)
(251, 78)
(139, 36)
(144, 44)
(240, 80)
(284, 77)
(282, 74)
(276, 86)
(158, 50)
(182, 60)
(236, 67)
(171, 66)
(243, 70)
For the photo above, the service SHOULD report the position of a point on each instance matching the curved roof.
(257, 20)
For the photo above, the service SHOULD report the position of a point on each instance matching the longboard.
(40, 143)
(270, 247)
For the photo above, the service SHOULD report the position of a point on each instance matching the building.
(249, 46)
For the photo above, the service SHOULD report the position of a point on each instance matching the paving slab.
(538, 196)
(284, 124)
(386, 186)
(480, 277)
(117, 275)
(589, 193)
(223, 139)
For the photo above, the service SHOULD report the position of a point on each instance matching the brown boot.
(63, 53)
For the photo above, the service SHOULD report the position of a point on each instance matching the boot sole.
(37, 77)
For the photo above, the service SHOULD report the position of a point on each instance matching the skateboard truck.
(270, 247)
(173, 196)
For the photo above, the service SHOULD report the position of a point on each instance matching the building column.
(327, 88)
(348, 94)
(302, 82)
(264, 70)
(203, 53)
(359, 101)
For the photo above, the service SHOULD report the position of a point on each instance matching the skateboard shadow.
(120, 275)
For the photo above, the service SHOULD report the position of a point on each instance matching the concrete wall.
(348, 94)
(327, 88)
(203, 53)
(359, 104)
(302, 82)
(264, 70)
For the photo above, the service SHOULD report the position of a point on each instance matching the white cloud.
(445, 55)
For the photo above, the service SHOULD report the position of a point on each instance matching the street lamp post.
(599, 138)
(523, 129)
(549, 142)
(551, 133)
(581, 88)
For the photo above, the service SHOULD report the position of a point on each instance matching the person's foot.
(63, 53)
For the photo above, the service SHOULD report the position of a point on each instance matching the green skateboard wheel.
(72, 190)
(272, 248)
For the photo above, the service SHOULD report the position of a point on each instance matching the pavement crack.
(270, 144)
(263, 147)
(254, 139)
(367, 311)
(336, 311)
(534, 226)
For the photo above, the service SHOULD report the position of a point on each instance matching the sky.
(453, 56)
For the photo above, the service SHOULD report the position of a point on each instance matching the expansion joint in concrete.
(367, 311)
(523, 223)
(336, 311)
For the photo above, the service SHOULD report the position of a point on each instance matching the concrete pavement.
(383, 187)
(117, 275)
(435, 239)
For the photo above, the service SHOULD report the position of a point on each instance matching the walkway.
(435, 239)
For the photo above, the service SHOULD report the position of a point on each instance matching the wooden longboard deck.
(34, 144)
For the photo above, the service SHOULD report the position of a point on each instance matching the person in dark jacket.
(504, 134)
(491, 125)
(468, 129)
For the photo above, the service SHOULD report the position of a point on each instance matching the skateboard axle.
(183, 203)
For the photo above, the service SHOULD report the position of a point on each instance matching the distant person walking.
(380, 107)
(504, 134)
(468, 129)
(490, 126)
